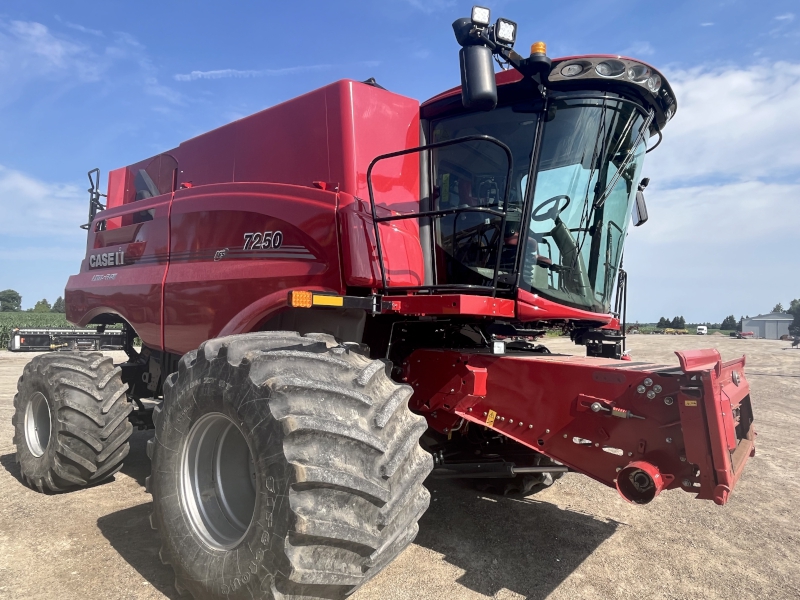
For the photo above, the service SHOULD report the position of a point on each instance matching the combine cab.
(346, 291)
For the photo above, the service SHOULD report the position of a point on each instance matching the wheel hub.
(218, 487)
(37, 424)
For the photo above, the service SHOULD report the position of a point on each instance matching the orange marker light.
(298, 299)
(538, 48)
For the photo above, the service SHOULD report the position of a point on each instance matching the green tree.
(42, 306)
(662, 323)
(677, 323)
(10, 301)
(777, 308)
(794, 310)
(728, 323)
(58, 306)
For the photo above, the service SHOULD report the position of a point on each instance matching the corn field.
(12, 320)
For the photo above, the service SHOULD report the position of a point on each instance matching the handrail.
(434, 213)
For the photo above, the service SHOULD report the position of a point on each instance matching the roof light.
(480, 15)
(654, 83)
(572, 70)
(610, 68)
(506, 31)
(638, 73)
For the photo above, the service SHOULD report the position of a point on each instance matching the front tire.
(71, 425)
(284, 466)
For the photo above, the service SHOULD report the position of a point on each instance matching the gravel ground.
(577, 539)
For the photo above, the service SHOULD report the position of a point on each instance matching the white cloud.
(29, 50)
(725, 199)
(43, 210)
(723, 213)
(733, 124)
(81, 28)
(32, 54)
(706, 24)
(239, 74)
(788, 17)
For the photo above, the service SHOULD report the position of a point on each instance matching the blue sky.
(90, 83)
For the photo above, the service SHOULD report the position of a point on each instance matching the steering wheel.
(551, 213)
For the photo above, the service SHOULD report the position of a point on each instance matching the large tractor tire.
(70, 422)
(284, 466)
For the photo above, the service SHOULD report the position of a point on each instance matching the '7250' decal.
(263, 241)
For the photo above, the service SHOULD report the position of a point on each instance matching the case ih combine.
(343, 292)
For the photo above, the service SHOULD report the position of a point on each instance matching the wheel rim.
(37, 424)
(218, 486)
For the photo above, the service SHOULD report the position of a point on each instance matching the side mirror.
(639, 213)
(478, 86)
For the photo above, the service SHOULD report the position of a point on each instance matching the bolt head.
(619, 469)
(651, 394)
(630, 453)
(469, 409)
(641, 389)
(446, 430)
(485, 414)
(502, 418)
(683, 459)
(565, 436)
(511, 421)
(669, 440)
(686, 483)
(596, 445)
(668, 401)
(547, 431)
(657, 389)
(530, 426)
(648, 382)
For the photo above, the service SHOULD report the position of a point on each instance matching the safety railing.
(433, 214)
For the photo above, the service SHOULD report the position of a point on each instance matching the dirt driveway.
(577, 539)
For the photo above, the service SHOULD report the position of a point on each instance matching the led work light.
(506, 31)
(480, 15)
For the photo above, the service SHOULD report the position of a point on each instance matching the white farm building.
(771, 326)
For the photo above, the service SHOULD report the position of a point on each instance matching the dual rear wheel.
(284, 466)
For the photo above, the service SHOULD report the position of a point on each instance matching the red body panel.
(212, 278)
(532, 307)
(542, 402)
(132, 290)
(230, 174)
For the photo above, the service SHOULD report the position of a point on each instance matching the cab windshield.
(590, 161)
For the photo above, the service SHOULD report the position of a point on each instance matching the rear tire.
(332, 490)
(70, 422)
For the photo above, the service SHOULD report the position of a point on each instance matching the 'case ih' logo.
(106, 259)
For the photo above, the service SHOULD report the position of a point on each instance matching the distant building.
(771, 326)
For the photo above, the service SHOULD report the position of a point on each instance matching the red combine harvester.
(343, 292)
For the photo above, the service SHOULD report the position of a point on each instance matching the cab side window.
(155, 179)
